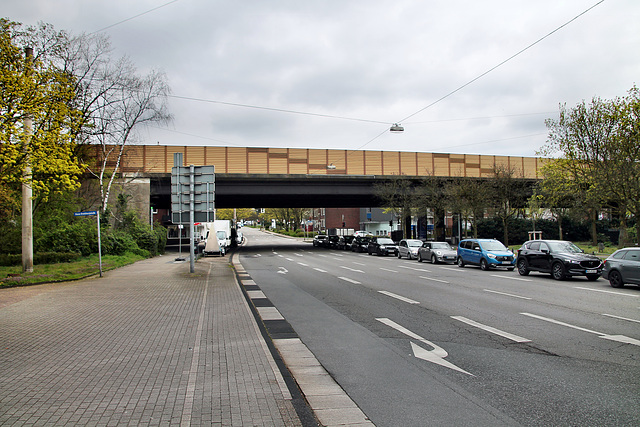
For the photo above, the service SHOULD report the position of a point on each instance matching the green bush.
(118, 243)
(8, 260)
(80, 236)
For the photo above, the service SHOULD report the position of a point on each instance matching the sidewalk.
(147, 344)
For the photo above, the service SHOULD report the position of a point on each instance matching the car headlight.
(492, 256)
(438, 253)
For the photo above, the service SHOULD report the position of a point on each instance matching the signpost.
(97, 214)
(192, 197)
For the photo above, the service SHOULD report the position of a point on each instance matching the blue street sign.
(86, 213)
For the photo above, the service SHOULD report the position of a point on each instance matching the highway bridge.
(293, 177)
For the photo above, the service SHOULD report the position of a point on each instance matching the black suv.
(321, 240)
(360, 243)
(345, 243)
(382, 246)
(560, 258)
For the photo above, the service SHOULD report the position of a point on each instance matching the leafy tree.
(596, 150)
(510, 192)
(400, 195)
(37, 120)
(468, 196)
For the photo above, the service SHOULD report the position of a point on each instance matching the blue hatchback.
(487, 253)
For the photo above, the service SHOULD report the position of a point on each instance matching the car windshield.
(221, 235)
(440, 245)
(493, 246)
(564, 247)
(414, 243)
(385, 241)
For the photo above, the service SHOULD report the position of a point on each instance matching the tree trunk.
(594, 231)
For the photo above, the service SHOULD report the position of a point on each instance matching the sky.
(460, 76)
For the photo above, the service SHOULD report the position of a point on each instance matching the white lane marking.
(281, 256)
(386, 269)
(340, 255)
(511, 278)
(607, 292)
(282, 270)
(436, 355)
(351, 269)
(506, 294)
(359, 263)
(289, 259)
(415, 269)
(491, 329)
(303, 264)
(349, 280)
(617, 338)
(621, 318)
(298, 255)
(323, 256)
(320, 270)
(435, 280)
(401, 298)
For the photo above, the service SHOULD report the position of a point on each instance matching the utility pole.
(27, 191)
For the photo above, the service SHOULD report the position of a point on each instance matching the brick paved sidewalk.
(147, 344)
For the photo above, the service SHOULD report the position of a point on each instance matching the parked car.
(382, 246)
(409, 248)
(487, 253)
(437, 252)
(320, 240)
(360, 243)
(344, 243)
(623, 267)
(560, 258)
(333, 242)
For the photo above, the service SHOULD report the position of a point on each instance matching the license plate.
(506, 262)
(591, 272)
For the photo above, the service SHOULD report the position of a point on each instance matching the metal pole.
(27, 191)
(99, 244)
(192, 185)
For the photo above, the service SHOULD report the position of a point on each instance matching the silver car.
(622, 267)
(409, 248)
(437, 252)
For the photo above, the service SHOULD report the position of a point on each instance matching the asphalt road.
(418, 344)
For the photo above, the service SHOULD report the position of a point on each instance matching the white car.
(409, 248)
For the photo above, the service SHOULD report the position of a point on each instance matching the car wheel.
(419, 257)
(593, 277)
(369, 251)
(408, 255)
(399, 256)
(434, 259)
(484, 265)
(615, 279)
(460, 262)
(523, 268)
(557, 271)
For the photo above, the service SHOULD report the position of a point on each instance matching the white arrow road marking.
(401, 298)
(436, 355)
(283, 270)
(351, 269)
(491, 329)
(617, 338)
(349, 280)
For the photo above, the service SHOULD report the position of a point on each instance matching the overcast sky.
(367, 64)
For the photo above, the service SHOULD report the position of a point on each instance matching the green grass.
(46, 273)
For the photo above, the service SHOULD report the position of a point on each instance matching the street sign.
(203, 180)
(85, 213)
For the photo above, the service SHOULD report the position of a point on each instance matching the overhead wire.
(133, 17)
(485, 73)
